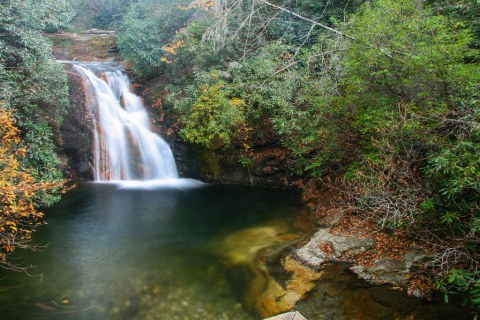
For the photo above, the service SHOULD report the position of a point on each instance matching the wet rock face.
(76, 132)
(266, 170)
(271, 165)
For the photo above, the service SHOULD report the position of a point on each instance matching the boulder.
(396, 272)
(324, 246)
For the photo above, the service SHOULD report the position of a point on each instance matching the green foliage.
(213, 118)
(22, 23)
(449, 217)
(101, 14)
(428, 205)
(410, 89)
(145, 29)
(412, 83)
(33, 84)
(255, 81)
(455, 169)
(466, 11)
(459, 281)
(405, 53)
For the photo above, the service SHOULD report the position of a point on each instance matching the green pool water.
(166, 253)
(140, 254)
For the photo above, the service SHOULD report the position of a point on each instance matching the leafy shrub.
(212, 117)
(21, 193)
(34, 93)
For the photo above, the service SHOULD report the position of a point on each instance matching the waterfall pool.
(173, 253)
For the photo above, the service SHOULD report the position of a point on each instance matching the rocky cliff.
(77, 131)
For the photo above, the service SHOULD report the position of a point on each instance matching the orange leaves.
(171, 49)
(18, 190)
(327, 249)
(157, 103)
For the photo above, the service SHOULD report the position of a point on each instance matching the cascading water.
(125, 149)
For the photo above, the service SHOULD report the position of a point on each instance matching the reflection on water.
(212, 252)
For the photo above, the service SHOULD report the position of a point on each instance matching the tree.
(145, 30)
(102, 14)
(33, 96)
(21, 194)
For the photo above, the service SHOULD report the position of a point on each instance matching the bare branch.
(307, 19)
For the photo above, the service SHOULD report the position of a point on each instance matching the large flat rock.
(325, 246)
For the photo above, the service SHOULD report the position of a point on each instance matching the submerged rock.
(266, 293)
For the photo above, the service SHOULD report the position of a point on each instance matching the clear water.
(123, 252)
(116, 253)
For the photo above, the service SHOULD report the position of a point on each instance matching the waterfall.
(125, 148)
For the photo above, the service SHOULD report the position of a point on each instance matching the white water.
(126, 151)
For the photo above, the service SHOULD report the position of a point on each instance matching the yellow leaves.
(8, 246)
(214, 119)
(18, 189)
(202, 4)
(164, 59)
(12, 226)
(235, 102)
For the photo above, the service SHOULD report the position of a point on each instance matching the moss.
(209, 161)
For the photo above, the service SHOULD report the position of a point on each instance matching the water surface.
(119, 252)
(123, 253)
